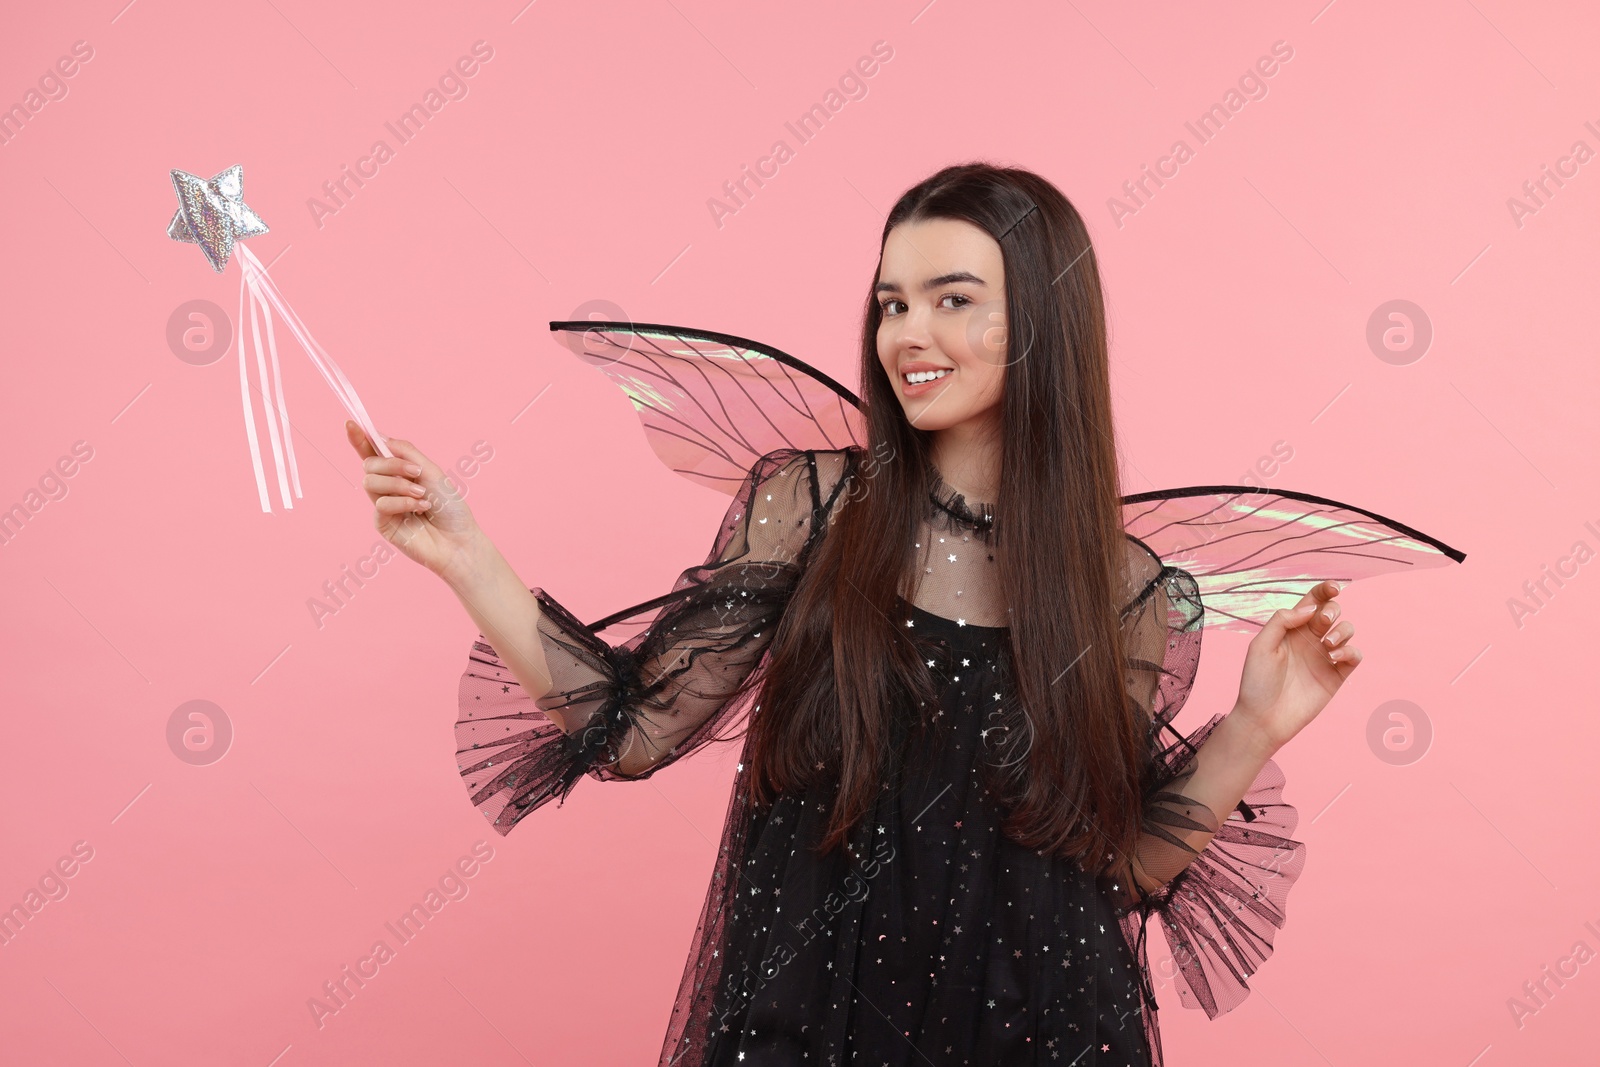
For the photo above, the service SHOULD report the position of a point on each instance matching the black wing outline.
(712, 403)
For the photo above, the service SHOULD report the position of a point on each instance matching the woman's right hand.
(419, 513)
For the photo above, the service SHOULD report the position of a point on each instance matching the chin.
(931, 419)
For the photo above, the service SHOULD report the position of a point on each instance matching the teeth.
(918, 377)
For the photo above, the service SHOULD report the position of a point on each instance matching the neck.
(968, 459)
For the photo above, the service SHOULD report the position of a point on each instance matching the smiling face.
(941, 290)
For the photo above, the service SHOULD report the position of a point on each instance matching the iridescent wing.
(1233, 555)
(711, 403)
(1252, 551)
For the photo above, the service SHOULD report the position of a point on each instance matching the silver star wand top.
(212, 214)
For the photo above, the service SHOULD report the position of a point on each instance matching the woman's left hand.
(1295, 665)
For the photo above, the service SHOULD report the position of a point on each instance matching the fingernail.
(412, 469)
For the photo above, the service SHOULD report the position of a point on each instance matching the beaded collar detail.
(957, 509)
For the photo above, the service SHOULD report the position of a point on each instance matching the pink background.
(579, 166)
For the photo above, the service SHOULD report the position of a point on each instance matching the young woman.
(951, 816)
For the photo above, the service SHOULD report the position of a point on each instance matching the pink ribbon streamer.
(257, 285)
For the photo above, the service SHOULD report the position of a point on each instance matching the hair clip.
(1031, 209)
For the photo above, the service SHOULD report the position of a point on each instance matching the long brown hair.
(1068, 770)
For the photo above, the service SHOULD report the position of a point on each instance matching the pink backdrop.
(208, 904)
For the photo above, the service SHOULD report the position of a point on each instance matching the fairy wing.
(711, 403)
(1231, 555)
(1252, 551)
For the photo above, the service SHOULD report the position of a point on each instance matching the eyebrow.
(934, 283)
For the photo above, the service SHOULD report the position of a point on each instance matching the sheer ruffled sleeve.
(666, 691)
(1223, 885)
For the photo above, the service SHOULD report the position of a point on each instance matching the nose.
(912, 330)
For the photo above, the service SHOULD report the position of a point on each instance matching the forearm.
(1224, 767)
(506, 613)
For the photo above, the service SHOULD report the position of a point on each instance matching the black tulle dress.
(934, 939)
(941, 941)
